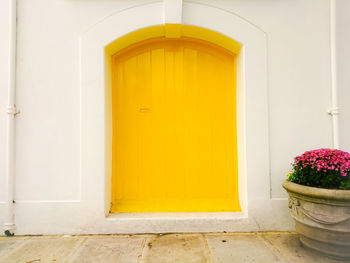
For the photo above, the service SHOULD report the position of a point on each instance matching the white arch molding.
(259, 212)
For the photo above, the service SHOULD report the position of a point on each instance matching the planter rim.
(331, 194)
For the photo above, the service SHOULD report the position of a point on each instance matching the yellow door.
(174, 128)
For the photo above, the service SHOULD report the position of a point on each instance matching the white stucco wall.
(343, 58)
(4, 69)
(48, 177)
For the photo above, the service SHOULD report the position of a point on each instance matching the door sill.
(181, 216)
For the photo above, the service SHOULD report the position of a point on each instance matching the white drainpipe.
(9, 225)
(334, 111)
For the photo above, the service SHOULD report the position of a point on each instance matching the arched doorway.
(174, 142)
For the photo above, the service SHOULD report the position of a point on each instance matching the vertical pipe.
(9, 225)
(334, 111)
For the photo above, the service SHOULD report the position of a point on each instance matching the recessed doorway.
(174, 144)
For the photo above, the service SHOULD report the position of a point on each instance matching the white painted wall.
(4, 71)
(343, 58)
(48, 178)
(299, 77)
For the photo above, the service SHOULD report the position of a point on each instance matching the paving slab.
(240, 248)
(212, 247)
(176, 248)
(290, 249)
(38, 250)
(8, 243)
(123, 249)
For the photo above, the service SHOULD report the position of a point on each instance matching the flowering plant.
(323, 168)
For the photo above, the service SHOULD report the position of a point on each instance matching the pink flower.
(325, 160)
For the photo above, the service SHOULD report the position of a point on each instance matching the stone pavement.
(263, 247)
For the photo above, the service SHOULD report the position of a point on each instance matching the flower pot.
(322, 218)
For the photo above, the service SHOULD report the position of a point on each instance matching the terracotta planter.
(322, 218)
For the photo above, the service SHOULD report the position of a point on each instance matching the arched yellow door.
(174, 127)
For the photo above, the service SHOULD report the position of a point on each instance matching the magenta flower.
(324, 168)
(325, 160)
